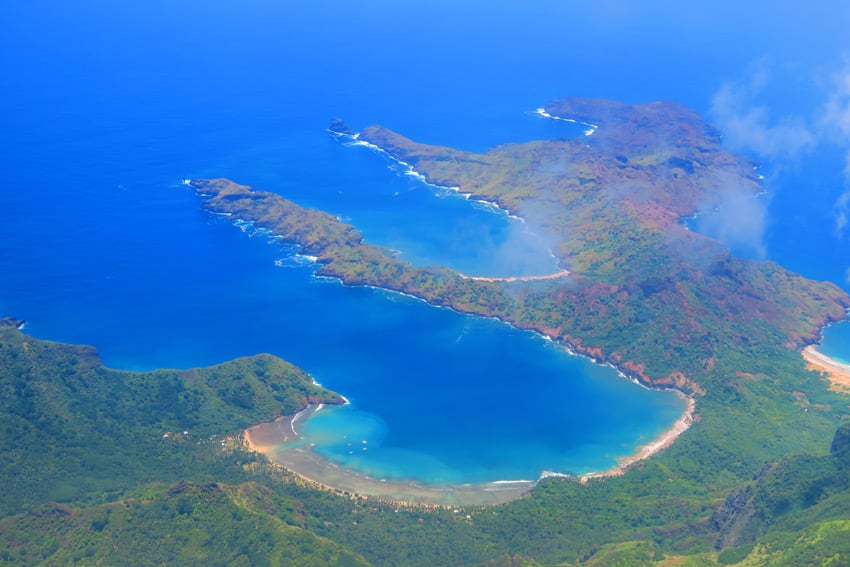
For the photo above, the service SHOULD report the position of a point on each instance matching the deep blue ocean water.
(106, 106)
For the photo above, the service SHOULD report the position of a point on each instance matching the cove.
(454, 409)
(128, 263)
(478, 399)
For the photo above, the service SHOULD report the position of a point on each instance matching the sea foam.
(591, 128)
(409, 170)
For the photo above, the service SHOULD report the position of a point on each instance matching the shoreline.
(301, 460)
(313, 468)
(591, 128)
(667, 438)
(511, 279)
(411, 171)
(838, 373)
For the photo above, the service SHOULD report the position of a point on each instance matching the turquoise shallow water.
(525, 407)
(836, 342)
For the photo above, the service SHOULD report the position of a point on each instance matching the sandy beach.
(281, 444)
(300, 459)
(561, 274)
(645, 451)
(836, 372)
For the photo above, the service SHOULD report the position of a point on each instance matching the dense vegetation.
(186, 524)
(72, 429)
(113, 491)
(645, 294)
(683, 312)
(102, 466)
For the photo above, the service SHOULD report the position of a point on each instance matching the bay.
(102, 245)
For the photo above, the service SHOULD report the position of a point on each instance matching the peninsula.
(668, 307)
(644, 293)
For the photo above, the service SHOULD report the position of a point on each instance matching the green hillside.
(73, 430)
(91, 480)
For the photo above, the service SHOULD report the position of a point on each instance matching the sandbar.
(836, 372)
(283, 446)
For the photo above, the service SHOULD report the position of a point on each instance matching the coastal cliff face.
(646, 294)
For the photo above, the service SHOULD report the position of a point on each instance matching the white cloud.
(736, 217)
(841, 208)
(834, 121)
(835, 116)
(748, 127)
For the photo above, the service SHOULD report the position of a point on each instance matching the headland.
(662, 304)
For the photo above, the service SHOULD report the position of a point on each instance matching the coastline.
(411, 171)
(591, 128)
(511, 279)
(836, 372)
(653, 447)
(283, 446)
(307, 464)
(302, 461)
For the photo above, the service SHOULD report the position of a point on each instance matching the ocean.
(107, 107)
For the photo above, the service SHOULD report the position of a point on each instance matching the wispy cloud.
(834, 121)
(748, 126)
(841, 208)
(835, 115)
(736, 217)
